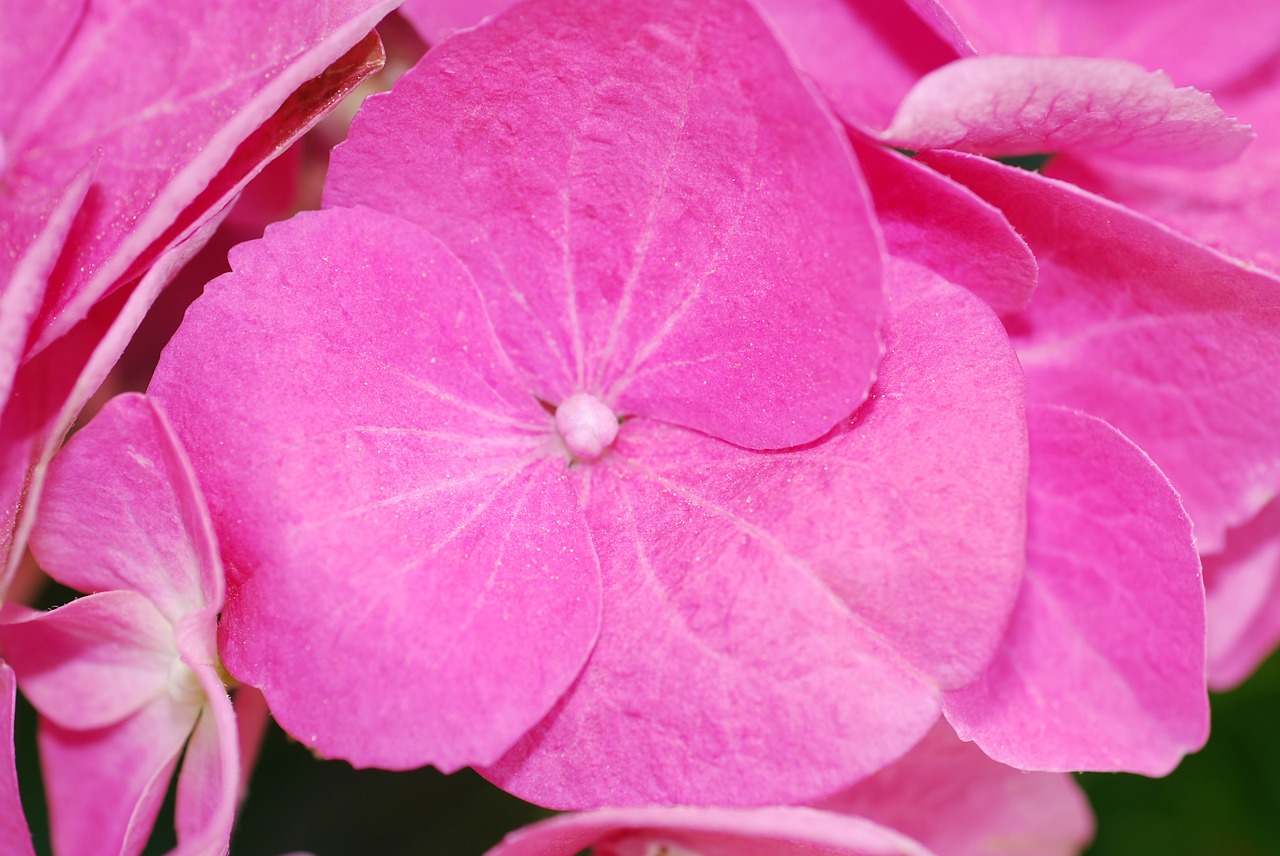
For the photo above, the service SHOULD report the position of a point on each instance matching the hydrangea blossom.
(126, 679)
(401, 410)
(125, 129)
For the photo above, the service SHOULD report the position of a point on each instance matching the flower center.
(184, 684)
(586, 424)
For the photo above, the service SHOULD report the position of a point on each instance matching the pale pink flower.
(127, 676)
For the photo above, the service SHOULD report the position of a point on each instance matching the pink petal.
(1204, 42)
(105, 786)
(1103, 664)
(1167, 341)
(1234, 208)
(50, 389)
(935, 222)
(14, 831)
(437, 19)
(707, 832)
(821, 597)
(1020, 105)
(53, 385)
(94, 661)
(25, 62)
(28, 276)
(252, 719)
(1243, 599)
(168, 91)
(952, 798)
(617, 197)
(864, 54)
(122, 510)
(406, 540)
(209, 784)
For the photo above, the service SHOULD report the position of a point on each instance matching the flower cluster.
(687, 414)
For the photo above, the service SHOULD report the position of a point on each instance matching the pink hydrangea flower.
(127, 676)
(125, 129)
(403, 408)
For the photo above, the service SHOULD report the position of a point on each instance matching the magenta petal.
(1205, 42)
(415, 581)
(28, 275)
(436, 19)
(1242, 585)
(865, 55)
(1103, 664)
(122, 510)
(210, 75)
(25, 61)
(618, 197)
(14, 831)
(952, 798)
(93, 661)
(933, 221)
(1168, 341)
(821, 597)
(708, 832)
(1234, 208)
(51, 388)
(209, 783)
(106, 786)
(1020, 105)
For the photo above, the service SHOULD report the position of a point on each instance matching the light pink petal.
(105, 786)
(1202, 42)
(1021, 105)
(1103, 664)
(14, 832)
(780, 624)
(25, 61)
(437, 19)
(707, 832)
(122, 510)
(864, 54)
(93, 661)
(50, 389)
(935, 222)
(209, 783)
(54, 384)
(952, 798)
(1242, 585)
(168, 91)
(1234, 208)
(412, 579)
(622, 178)
(28, 275)
(1168, 341)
